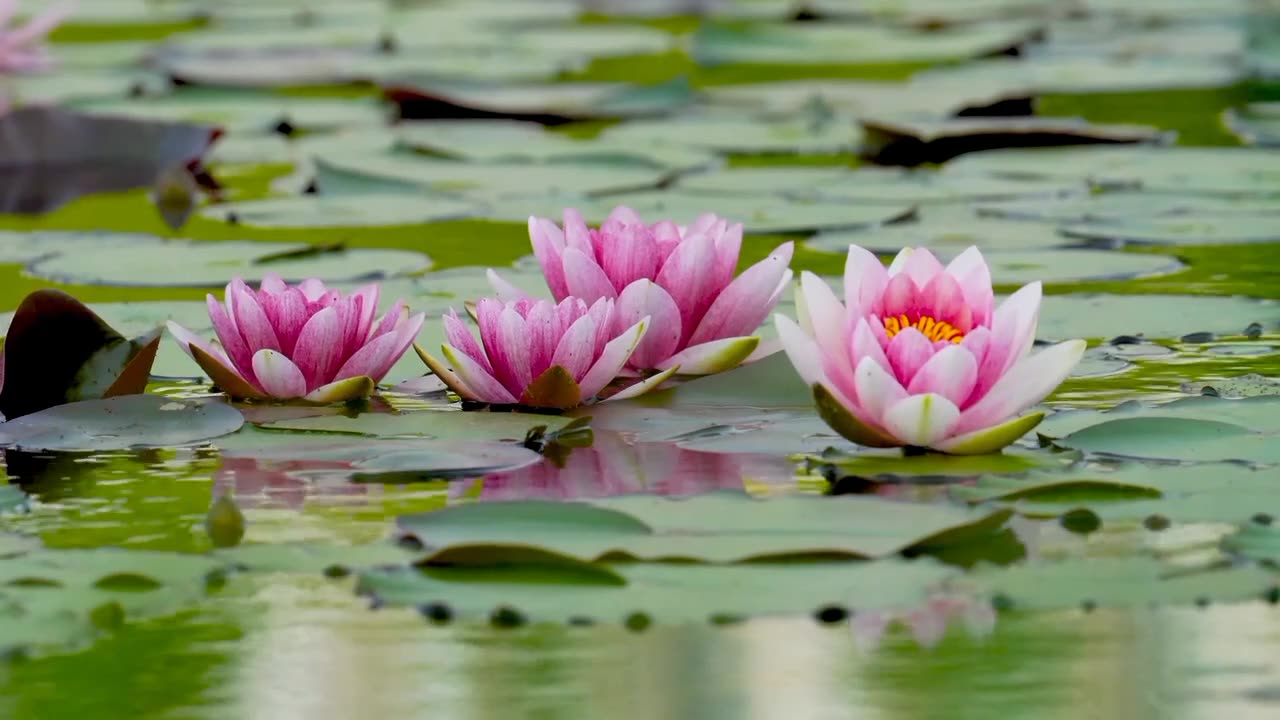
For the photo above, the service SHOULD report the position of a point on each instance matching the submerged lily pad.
(146, 260)
(717, 527)
(666, 593)
(120, 423)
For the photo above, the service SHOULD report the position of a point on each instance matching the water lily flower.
(916, 355)
(539, 354)
(22, 49)
(682, 277)
(300, 342)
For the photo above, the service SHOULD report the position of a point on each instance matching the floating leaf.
(369, 210)
(550, 104)
(761, 214)
(120, 423)
(145, 260)
(441, 424)
(666, 593)
(717, 527)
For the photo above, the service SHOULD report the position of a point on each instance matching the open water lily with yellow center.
(540, 354)
(304, 342)
(704, 318)
(917, 356)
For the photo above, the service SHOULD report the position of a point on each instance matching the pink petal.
(745, 303)
(922, 265)
(507, 292)
(974, 276)
(951, 373)
(510, 356)
(604, 313)
(642, 299)
(865, 279)
(1026, 384)
(369, 296)
(278, 376)
(630, 255)
(313, 289)
(286, 310)
(902, 297)
(548, 247)
(623, 215)
(865, 343)
(684, 276)
(398, 312)
(577, 235)
(318, 353)
(827, 317)
(728, 248)
(1013, 330)
(229, 335)
(483, 386)
(666, 237)
(576, 349)
(378, 355)
(585, 278)
(460, 337)
(251, 321)
(943, 300)
(908, 351)
(272, 284)
(615, 356)
(801, 349)
(185, 339)
(876, 389)
(544, 333)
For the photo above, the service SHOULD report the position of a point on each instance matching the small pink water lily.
(917, 356)
(539, 354)
(22, 49)
(300, 342)
(682, 277)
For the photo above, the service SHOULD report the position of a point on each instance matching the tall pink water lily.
(23, 48)
(539, 354)
(303, 342)
(682, 277)
(917, 355)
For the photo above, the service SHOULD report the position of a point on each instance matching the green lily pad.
(1152, 316)
(946, 231)
(394, 461)
(1180, 230)
(144, 260)
(1121, 206)
(1257, 541)
(1257, 124)
(240, 111)
(312, 557)
(890, 464)
(929, 188)
(856, 97)
(1208, 171)
(441, 424)
(1120, 582)
(489, 179)
(667, 593)
(1086, 73)
(1240, 386)
(820, 43)
(550, 103)
(55, 598)
(513, 141)
(737, 134)
(344, 211)
(120, 423)
(717, 527)
(762, 214)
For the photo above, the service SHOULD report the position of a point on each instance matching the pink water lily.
(539, 354)
(23, 48)
(682, 277)
(917, 356)
(300, 342)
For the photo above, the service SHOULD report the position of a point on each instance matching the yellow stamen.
(934, 330)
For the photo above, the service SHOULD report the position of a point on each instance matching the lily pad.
(1191, 229)
(441, 424)
(550, 104)
(145, 260)
(946, 231)
(928, 188)
(1152, 316)
(911, 142)
(856, 97)
(371, 210)
(663, 593)
(1122, 206)
(1257, 124)
(120, 423)
(392, 461)
(1086, 73)
(514, 141)
(240, 111)
(717, 527)
(1120, 582)
(737, 134)
(1240, 386)
(762, 214)
(820, 43)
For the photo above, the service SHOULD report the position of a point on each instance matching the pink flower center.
(935, 330)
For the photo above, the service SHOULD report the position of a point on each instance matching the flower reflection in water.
(614, 466)
(927, 623)
(271, 483)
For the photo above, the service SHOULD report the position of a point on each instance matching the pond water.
(711, 551)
